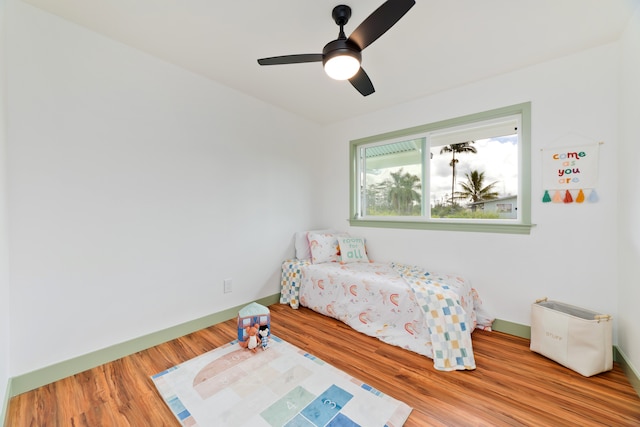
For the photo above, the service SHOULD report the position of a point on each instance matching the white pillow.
(301, 243)
(323, 247)
(352, 249)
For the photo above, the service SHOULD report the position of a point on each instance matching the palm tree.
(475, 190)
(402, 191)
(461, 147)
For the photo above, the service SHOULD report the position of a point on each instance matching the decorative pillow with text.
(352, 249)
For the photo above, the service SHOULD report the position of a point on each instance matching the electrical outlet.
(228, 285)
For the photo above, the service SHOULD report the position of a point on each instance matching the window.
(471, 173)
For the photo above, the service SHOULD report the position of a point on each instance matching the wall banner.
(570, 174)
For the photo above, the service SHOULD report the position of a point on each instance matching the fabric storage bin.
(575, 337)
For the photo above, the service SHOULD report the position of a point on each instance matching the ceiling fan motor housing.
(341, 47)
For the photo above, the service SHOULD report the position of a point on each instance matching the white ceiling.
(438, 45)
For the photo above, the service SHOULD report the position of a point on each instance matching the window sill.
(503, 228)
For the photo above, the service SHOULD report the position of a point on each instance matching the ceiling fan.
(341, 58)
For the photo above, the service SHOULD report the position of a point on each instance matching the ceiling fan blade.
(362, 83)
(291, 59)
(380, 21)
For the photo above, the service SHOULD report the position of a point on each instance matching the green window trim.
(522, 226)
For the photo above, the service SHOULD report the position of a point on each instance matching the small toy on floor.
(252, 340)
(264, 336)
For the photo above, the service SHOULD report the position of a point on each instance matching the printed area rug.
(279, 386)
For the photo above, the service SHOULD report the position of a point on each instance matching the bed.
(426, 312)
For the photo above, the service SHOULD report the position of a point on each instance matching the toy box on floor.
(254, 326)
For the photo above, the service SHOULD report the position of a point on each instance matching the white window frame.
(521, 225)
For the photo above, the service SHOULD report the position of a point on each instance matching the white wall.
(4, 266)
(571, 253)
(135, 188)
(629, 194)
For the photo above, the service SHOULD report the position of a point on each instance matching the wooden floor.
(510, 387)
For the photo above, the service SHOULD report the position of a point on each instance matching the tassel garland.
(568, 197)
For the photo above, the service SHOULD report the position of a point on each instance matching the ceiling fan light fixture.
(342, 57)
(342, 66)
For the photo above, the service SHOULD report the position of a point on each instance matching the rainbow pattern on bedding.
(407, 306)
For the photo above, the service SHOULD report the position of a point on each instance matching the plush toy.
(252, 341)
(264, 336)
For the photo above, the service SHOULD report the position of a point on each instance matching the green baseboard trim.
(516, 329)
(5, 404)
(632, 375)
(32, 380)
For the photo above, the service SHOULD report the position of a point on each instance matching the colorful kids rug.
(279, 386)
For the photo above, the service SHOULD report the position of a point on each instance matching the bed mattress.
(379, 299)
